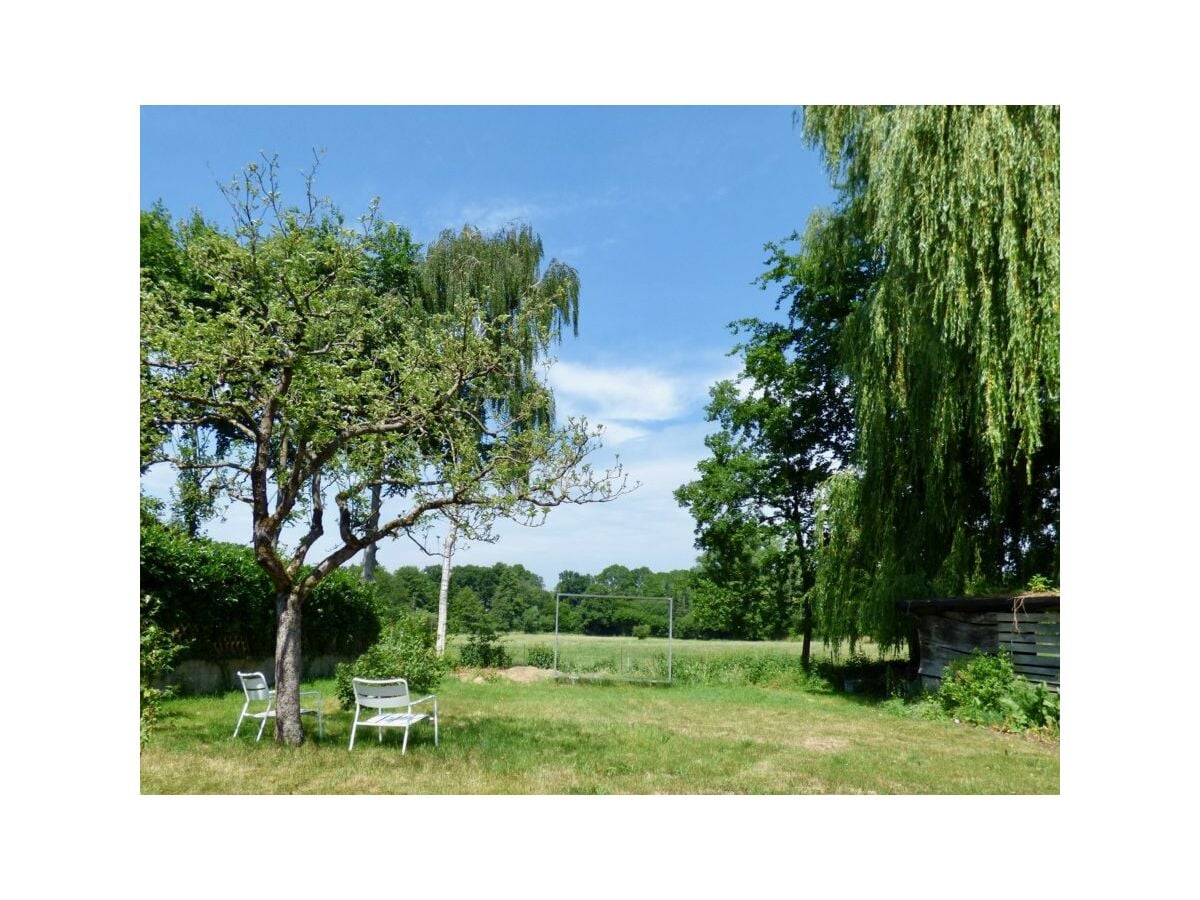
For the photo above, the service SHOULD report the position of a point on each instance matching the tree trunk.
(444, 589)
(288, 667)
(368, 569)
(807, 626)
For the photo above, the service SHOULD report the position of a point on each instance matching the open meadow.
(629, 655)
(785, 736)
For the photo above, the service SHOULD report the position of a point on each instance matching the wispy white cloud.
(493, 213)
(632, 394)
(489, 218)
(644, 527)
(615, 434)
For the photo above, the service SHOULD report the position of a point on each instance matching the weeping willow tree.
(952, 354)
(503, 274)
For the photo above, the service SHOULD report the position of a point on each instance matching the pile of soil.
(517, 674)
(527, 674)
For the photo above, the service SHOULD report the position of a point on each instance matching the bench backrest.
(255, 685)
(384, 693)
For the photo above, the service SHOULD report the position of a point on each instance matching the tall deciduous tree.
(784, 429)
(953, 354)
(331, 380)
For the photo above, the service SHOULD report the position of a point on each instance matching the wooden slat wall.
(1032, 639)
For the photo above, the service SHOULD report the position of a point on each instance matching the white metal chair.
(254, 684)
(385, 694)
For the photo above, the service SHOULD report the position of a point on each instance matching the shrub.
(641, 632)
(985, 690)
(540, 655)
(218, 600)
(159, 649)
(766, 668)
(405, 650)
(484, 651)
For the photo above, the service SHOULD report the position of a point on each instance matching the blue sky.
(663, 211)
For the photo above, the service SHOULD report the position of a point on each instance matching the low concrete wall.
(206, 676)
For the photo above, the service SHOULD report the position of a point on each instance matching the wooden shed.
(1025, 625)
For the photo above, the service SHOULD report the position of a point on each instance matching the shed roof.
(994, 603)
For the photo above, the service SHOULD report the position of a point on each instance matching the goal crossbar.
(670, 620)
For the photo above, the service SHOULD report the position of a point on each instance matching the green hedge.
(405, 650)
(218, 601)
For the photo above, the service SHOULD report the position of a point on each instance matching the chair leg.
(239, 723)
(354, 728)
(435, 727)
(260, 729)
(404, 746)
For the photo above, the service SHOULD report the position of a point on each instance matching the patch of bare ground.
(515, 674)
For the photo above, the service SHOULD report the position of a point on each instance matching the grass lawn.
(555, 738)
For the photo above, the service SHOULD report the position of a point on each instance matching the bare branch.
(188, 466)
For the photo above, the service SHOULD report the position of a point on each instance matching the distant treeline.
(215, 597)
(511, 598)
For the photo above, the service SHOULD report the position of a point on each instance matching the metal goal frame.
(670, 621)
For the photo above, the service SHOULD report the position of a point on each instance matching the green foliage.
(767, 669)
(405, 650)
(326, 365)
(534, 620)
(851, 597)
(483, 648)
(217, 599)
(745, 590)
(1039, 584)
(405, 589)
(466, 613)
(983, 689)
(484, 651)
(540, 655)
(641, 632)
(596, 614)
(785, 428)
(952, 351)
(159, 651)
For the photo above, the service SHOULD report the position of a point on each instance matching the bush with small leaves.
(985, 690)
(405, 650)
(159, 649)
(540, 655)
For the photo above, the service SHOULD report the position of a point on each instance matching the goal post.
(558, 598)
